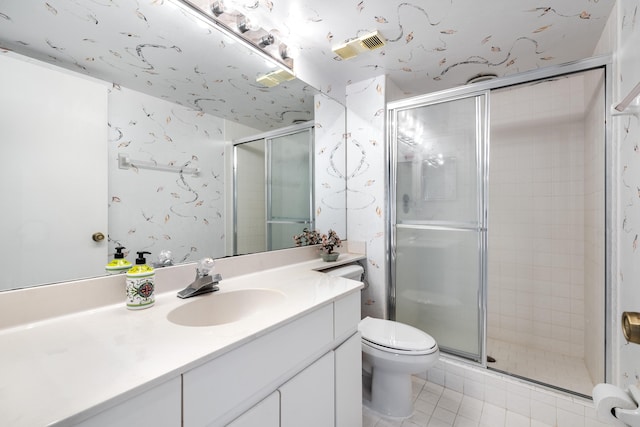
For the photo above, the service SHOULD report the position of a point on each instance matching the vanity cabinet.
(348, 374)
(293, 366)
(264, 414)
(308, 398)
(160, 406)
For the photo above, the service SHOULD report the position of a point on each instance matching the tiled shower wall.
(536, 217)
(594, 230)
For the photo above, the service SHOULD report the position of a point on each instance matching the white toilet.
(394, 351)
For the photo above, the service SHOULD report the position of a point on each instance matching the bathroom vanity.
(281, 350)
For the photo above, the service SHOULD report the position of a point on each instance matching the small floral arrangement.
(327, 242)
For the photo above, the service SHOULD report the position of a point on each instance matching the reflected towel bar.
(124, 162)
(624, 108)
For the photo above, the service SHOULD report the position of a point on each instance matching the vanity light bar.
(216, 17)
(124, 162)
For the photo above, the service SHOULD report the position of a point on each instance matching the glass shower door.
(438, 221)
(289, 187)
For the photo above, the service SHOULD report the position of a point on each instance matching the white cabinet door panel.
(264, 414)
(160, 406)
(308, 398)
(349, 383)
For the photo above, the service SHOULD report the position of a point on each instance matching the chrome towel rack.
(625, 107)
(124, 162)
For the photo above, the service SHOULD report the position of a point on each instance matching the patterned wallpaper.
(154, 47)
(366, 198)
(627, 144)
(330, 151)
(430, 45)
(154, 210)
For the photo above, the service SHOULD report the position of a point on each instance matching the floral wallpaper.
(157, 48)
(366, 192)
(330, 182)
(627, 143)
(430, 45)
(155, 210)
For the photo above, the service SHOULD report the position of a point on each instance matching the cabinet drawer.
(212, 392)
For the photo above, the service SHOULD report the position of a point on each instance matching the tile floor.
(547, 367)
(436, 406)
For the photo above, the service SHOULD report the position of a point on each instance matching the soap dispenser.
(140, 284)
(118, 264)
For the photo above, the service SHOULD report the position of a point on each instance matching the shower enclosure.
(498, 224)
(273, 189)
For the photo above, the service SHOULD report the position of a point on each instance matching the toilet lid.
(395, 335)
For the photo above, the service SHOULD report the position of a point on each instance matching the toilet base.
(391, 394)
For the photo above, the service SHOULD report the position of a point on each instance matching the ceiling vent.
(275, 78)
(364, 43)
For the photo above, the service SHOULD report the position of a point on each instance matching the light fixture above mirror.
(267, 43)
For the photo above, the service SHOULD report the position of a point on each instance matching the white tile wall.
(536, 218)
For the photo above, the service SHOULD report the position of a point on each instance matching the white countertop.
(73, 366)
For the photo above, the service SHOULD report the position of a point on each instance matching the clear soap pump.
(140, 284)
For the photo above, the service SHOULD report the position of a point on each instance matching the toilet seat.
(395, 337)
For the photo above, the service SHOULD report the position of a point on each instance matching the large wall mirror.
(118, 119)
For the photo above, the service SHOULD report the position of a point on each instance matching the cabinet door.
(308, 398)
(160, 406)
(255, 367)
(264, 414)
(349, 383)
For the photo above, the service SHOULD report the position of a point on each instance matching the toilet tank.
(351, 271)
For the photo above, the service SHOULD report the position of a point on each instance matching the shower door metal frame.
(603, 62)
(265, 137)
(479, 226)
(268, 152)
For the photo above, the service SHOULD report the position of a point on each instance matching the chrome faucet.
(204, 283)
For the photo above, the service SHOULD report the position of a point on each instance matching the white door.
(53, 174)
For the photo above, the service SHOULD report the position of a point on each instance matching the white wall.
(53, 128)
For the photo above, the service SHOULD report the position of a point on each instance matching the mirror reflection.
(274, 171)
(152, 99)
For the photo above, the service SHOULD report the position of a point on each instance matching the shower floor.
(554, 369)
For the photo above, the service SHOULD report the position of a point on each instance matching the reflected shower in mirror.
(273, 183)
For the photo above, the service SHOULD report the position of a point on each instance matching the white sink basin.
(219, 308)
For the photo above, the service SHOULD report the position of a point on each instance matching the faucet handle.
(205, 266)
